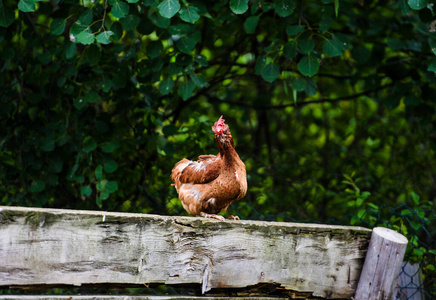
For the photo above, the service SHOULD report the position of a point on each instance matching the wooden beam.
(126, 297)
(382, 265)
(67, 247)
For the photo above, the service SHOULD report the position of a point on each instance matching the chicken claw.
(233, 218)
(212, 216)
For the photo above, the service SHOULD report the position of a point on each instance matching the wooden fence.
(41, 248)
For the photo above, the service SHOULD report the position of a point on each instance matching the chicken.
(208, 186)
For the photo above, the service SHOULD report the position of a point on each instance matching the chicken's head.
(220, 128)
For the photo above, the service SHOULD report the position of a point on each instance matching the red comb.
(220, 121)
(219, 127)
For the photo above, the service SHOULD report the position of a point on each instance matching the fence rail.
(54, 247)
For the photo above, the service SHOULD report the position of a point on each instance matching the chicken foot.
(212, 216)
(218, 217)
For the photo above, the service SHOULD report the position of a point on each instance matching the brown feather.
(209, 185)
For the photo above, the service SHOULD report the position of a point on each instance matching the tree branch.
(301, 104)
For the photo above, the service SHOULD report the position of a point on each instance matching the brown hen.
(208, 186)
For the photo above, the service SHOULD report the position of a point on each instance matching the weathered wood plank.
(125, 297)
(382, 265)
(52, 246)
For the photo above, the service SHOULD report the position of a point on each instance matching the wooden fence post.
(382, 265)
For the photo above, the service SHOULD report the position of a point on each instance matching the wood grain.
(58, 247)
(382, 265)
(126, 297)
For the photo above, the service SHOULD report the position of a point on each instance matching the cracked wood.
(58, 247)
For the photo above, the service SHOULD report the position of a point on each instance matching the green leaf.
(110, 166)
(298, 84)
(415, 198)
(270, 72)
(112, 186)
(284, 8)
(159, 21)
(186, 89)
(332, 48)
(117, 29)
(7, 16)
(186, 44)
(417, 4)
(101, 184)
(37, 186)
(189, 14)
(239, 6)
(343, 40)
(86, 16)
(107, 186)
(168, 8)
(89, 144)
(181, 29)
(57, 26)
(27, 5)
(250, 24)
(92, 97)
(294, 95)
(306, 45)
(77, 28)
(310, 88)
(130, 22)
(260, 64)
(110, 147)
(103, 196)
(174, 69)
(85, 37)
(86, 190)
(290, 50)
(403, 7)
(48, 144)
(432, 44)
(201, 60)
(79, 102)
(432, 66)
(166, 85)
(336, 7)
(33, 113)
(106, 85)
(98, 172)
(119, 8)
(70, 50)
(308, 65)
(104, 37)
(294, 29)
(325, 23)
(154, 49)
(395, 44)
(199, 81)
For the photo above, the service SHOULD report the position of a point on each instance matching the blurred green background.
(331, 104)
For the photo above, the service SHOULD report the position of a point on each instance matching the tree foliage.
(101, 97)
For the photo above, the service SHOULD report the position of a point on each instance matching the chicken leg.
(212, 216)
